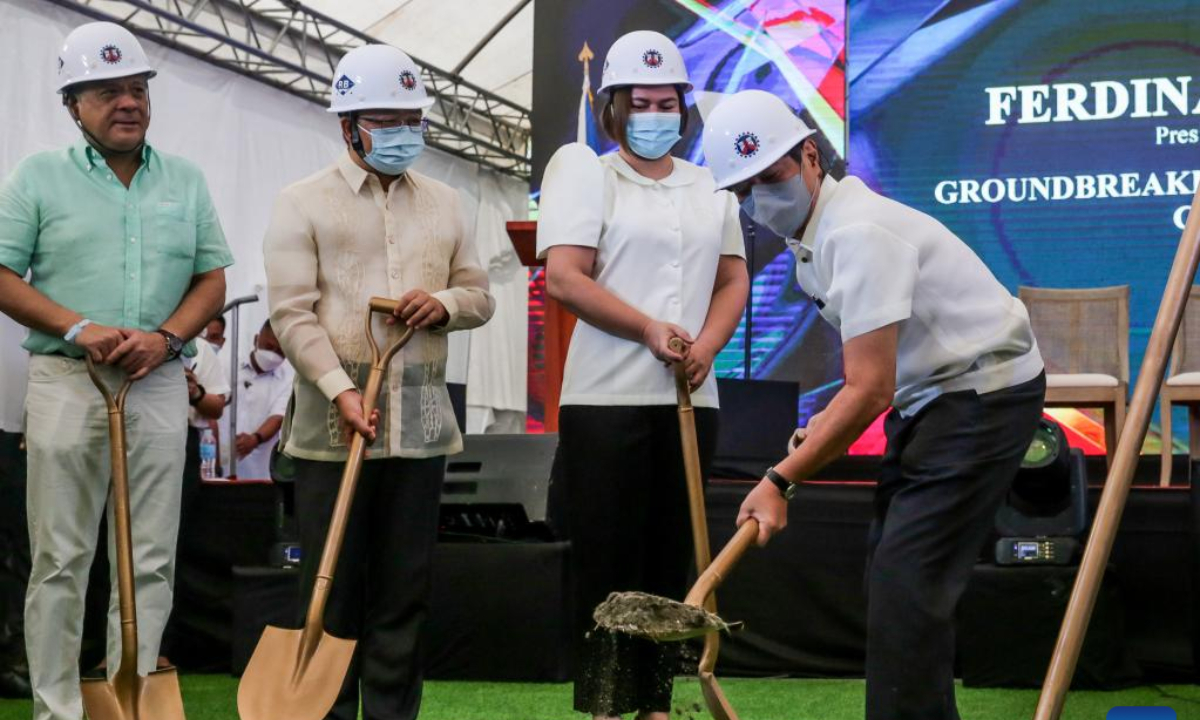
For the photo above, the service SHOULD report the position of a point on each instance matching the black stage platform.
(499, 610)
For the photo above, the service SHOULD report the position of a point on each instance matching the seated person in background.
(214, 333)
(264, 387)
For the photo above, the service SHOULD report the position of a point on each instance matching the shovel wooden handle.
(358, 445)
(122, 523)
(385, 306)
(683, 389)
(1120, 474)
(714, 575)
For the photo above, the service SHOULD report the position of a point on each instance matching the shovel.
(127, 696)
(661, 619)
(297, 674)
(718, 706)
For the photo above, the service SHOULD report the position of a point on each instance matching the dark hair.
(219, 319)
(797, 153)
(615, 115)
(267, 326)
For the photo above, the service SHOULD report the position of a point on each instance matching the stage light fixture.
(1045, 513)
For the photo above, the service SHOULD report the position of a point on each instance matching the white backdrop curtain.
(250, 140)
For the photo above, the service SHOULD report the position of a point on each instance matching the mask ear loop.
(355, 137)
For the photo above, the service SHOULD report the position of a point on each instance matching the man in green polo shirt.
(126, 259)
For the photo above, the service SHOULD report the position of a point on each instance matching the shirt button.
(391, 240)
(132, 239)
(110, 177)
(132, 276)
(395, 274)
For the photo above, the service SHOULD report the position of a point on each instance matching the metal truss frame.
(293, 48)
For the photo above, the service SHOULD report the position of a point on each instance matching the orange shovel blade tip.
(279, 684)
(154, 697)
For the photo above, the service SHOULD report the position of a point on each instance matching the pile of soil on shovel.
(653, 617)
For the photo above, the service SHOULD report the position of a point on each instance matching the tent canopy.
(443, 34)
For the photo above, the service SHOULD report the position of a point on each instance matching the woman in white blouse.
(643, 249)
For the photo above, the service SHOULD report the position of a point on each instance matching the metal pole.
(746, 360)
(234, 306)
(1120, 475)
(504, 21)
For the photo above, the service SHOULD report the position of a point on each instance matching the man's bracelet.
(75, 330)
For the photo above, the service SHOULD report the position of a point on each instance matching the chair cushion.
(1191, 378)
(1080, 380)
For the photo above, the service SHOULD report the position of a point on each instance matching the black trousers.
(627, 507)
(945, 472)
(380, 591)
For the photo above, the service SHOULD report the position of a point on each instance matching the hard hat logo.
(110, 54)
(736, 154)
(100, 51)
(746, 145)
(643, 57)
(380, 72)
(652, 59)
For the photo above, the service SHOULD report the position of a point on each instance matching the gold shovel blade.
(282, 683)
(656, 618)
(153, 697)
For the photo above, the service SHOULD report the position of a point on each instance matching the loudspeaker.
(757, 418)
(497, 484)
(1008, 622)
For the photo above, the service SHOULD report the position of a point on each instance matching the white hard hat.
(100, 51)
(643, 57)
(377, 77)
(748, 131)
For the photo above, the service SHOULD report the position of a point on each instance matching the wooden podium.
(558, 322)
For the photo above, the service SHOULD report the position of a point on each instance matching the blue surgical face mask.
(652, 135)
(782, 207)
(393, 150)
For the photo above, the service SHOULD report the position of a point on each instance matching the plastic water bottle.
(208, 455)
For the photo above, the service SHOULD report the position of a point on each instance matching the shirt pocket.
(174, 231)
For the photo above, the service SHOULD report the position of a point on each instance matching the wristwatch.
(787, 488)
(200, 396)
(174, 344)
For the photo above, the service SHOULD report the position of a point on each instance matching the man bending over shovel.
(927, 330)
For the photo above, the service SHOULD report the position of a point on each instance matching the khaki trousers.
(69, 473)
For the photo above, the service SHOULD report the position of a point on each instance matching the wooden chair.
(1182, 386)
(1083, 335)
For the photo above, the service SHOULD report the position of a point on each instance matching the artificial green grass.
(214, 697)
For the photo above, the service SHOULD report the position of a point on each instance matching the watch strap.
(174, 343)
(786, 487)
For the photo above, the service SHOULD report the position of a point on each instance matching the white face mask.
(267, 360)
(782, 207)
